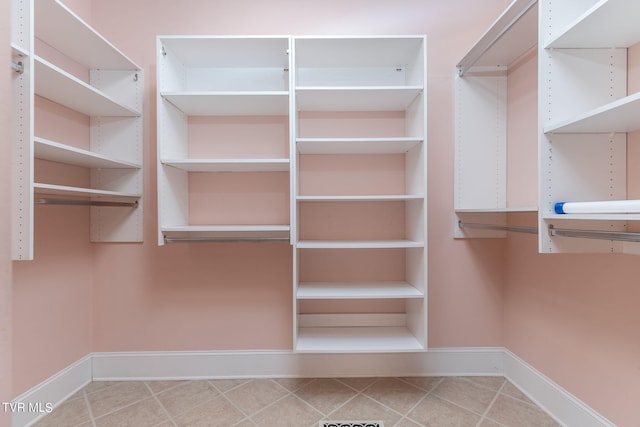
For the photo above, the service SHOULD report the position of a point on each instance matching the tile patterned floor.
(399, 402)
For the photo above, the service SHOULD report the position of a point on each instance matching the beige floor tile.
(396, 394)
(245, 423)
(489, 423)
(494, 383)
(69, 413)
(406, 422)
(513, 391)
(425, 383)
(326, 394)
(465, 393)
(362, 408)
(255, 395)
(435, 412)
(116, 396)
(141, 414)
(99, 385)
(293, 384)
(358, 383)
(162, 385)
(513, 412)
(288, 412)
(218, 412)
(228, 384)
(186, 396)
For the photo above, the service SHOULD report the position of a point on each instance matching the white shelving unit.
(222, 82)
(587, 113)
(360, 102)
(111, 96)
(487, 130)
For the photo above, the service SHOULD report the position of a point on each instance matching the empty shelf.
(370, 98)
(356, 145)
(351, 290)
(371, 198)
(358, 244)
(357, 339)
(275, 103)
(226, 232)
(66, 191)
(57, 152)
(229, 165)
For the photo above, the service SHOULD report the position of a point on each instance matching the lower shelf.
(389, 339)
(66, 191)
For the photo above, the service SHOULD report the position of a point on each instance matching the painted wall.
(215, 297)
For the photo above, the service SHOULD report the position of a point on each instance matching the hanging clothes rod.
(224, 239)
(498, 227)
(623, 236)
(77, 202)
(520, 7)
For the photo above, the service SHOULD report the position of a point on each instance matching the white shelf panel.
(18, 50)
(502, 210)
(350, 290)
(63, 190)
(62, 29)
(356, 145)
(375, 198)
(57, 152)
(357, 339)
(371, 98)
(229, 165)
(269, 103)
(358, 244)
(512, 35)
(227, 232)
(57, 85)
(608, 24)
(602, 217)
(617, 116)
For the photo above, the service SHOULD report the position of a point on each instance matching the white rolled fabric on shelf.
(601, 207)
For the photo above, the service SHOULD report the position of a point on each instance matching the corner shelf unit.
(359, 190)
(490, 136)
(47, 37)
(212, 91)
(583, 135)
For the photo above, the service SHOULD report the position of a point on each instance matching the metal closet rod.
(498, 227)
(463, 68)
(224, 239)
(623, 236)
(78, 202)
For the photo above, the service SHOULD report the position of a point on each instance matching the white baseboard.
(564, 407)
(37, 402)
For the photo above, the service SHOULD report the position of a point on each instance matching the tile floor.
(399, 402)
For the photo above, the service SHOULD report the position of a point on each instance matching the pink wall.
(569, 316)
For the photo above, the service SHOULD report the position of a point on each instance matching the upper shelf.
(353, 98)
(66, 191)
(226, 232)
(268, 103)
(356, 145)
(229, 165)
(608, 24)
(61, 87)
(59, 27)
(513, 34)
(57, 152)
(617, 116)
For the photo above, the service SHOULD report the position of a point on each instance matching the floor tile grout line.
(426, 394)
(86, 402)
(488, 408)
(166, 411)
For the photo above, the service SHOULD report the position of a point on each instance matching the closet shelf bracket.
(78, 202)
(623, 236)
(18, 67)
(498, 227)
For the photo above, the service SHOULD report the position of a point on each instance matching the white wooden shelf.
(512, 35)
(56, 152)
(227, 103)
(229, 165)
(227, 232)
(57, 85)
(357, 339)
(356, 145)
(358, 198)
(618, 116)
(351, 290)
(358, 244)
(617, 20)
(499, 210)
(18, 50)
(372, 98)
(78, 41)
(67, 191)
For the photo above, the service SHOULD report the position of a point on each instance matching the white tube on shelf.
(601, 207)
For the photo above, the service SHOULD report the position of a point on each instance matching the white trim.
(52, 392)
(558, 402)
(492, 361)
